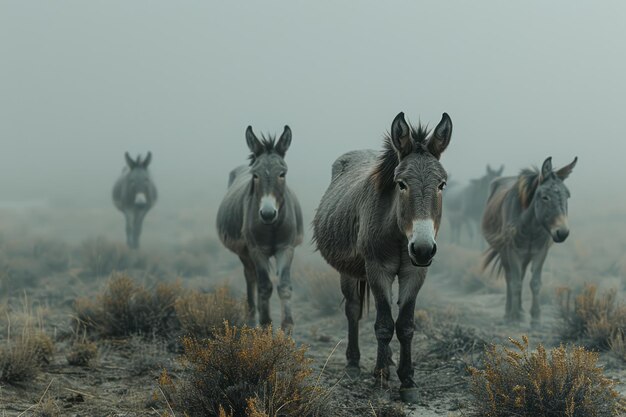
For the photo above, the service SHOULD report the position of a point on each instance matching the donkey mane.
(527, 183)
(383, 173)
(269, 146)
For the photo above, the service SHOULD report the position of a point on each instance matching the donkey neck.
(529, 227)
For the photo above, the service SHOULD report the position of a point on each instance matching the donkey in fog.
(260, 218)
(465, 205)
(377, 220)
(524, 215)
(134, 194)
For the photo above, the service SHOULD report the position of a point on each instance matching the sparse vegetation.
(82, 353)
(126, 308)
(562, 382)
(201, 314)
(244, 372)
(21, 358)
(101, 257)
(591, 318)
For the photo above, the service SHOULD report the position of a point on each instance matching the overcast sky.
(83, 81)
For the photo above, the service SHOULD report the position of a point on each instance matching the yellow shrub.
(562, 382)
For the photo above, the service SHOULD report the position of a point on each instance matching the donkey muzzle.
(268, 211)
(141, 199)
(422, 246)
(559, 231)
(559, 234)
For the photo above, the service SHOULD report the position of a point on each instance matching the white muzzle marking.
(141, 199)
(423, 232)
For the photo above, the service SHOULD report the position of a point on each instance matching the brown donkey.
(524, 215)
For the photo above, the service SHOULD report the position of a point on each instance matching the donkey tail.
(492, 257)
(364, 292)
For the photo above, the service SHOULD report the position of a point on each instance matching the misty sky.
(83, 81)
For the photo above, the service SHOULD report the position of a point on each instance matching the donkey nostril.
(412, 248)
(432, 254)
(268, 214)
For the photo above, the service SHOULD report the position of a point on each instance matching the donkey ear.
(546, 168)
(500, 171)
(489, 170)
(401, 136)
(129, 161)
(441, 136)
(254, 144)
(147, 161)
(284, 142)
(566, 170)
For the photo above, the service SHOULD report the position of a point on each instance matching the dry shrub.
(564, 382)
(46, 408)
(244, 372)
(323, 289)
(201, 314)
(54, 255)
(594, 319)
(82, 353)
(126, 308)
(21, 359)
(101, 257)
(192, 258)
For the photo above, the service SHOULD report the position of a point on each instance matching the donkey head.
(268, 169)
(420, 180)
(550, 199)
(138, 179)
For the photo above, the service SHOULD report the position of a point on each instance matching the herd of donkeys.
(377, 220)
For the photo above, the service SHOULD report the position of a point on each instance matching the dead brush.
(201, 314)
(593, 320)
(322, 288)
(563, 382)
(101, 257)
(243, 372)
(126, 308)
(21, 358)
(82, 352)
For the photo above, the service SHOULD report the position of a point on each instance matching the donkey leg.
(512, 270)
(129, 228)
(283, 265)
(350, 290)
(250, 274)
(535, 287)
(139, 216)
(380, 284)
(409, 286)
(264, 289)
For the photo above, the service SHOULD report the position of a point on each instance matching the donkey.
(260, 218)
(465, 205)
(377, 220)
(524, 215)
(134, 194)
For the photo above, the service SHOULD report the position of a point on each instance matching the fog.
(83, 82)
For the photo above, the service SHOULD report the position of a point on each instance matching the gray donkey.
(524, 215)
(377, 220)
(260, 218)
(134, 194)
(465, 205)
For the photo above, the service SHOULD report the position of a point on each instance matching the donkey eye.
(402, 185)
(545, 198)
(442, 186)
(282, 175)
(255, 176)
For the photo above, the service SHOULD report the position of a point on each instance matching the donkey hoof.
(287, 325)
(353, 371)
(410, 395)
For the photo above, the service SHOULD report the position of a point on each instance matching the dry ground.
(459, 308)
